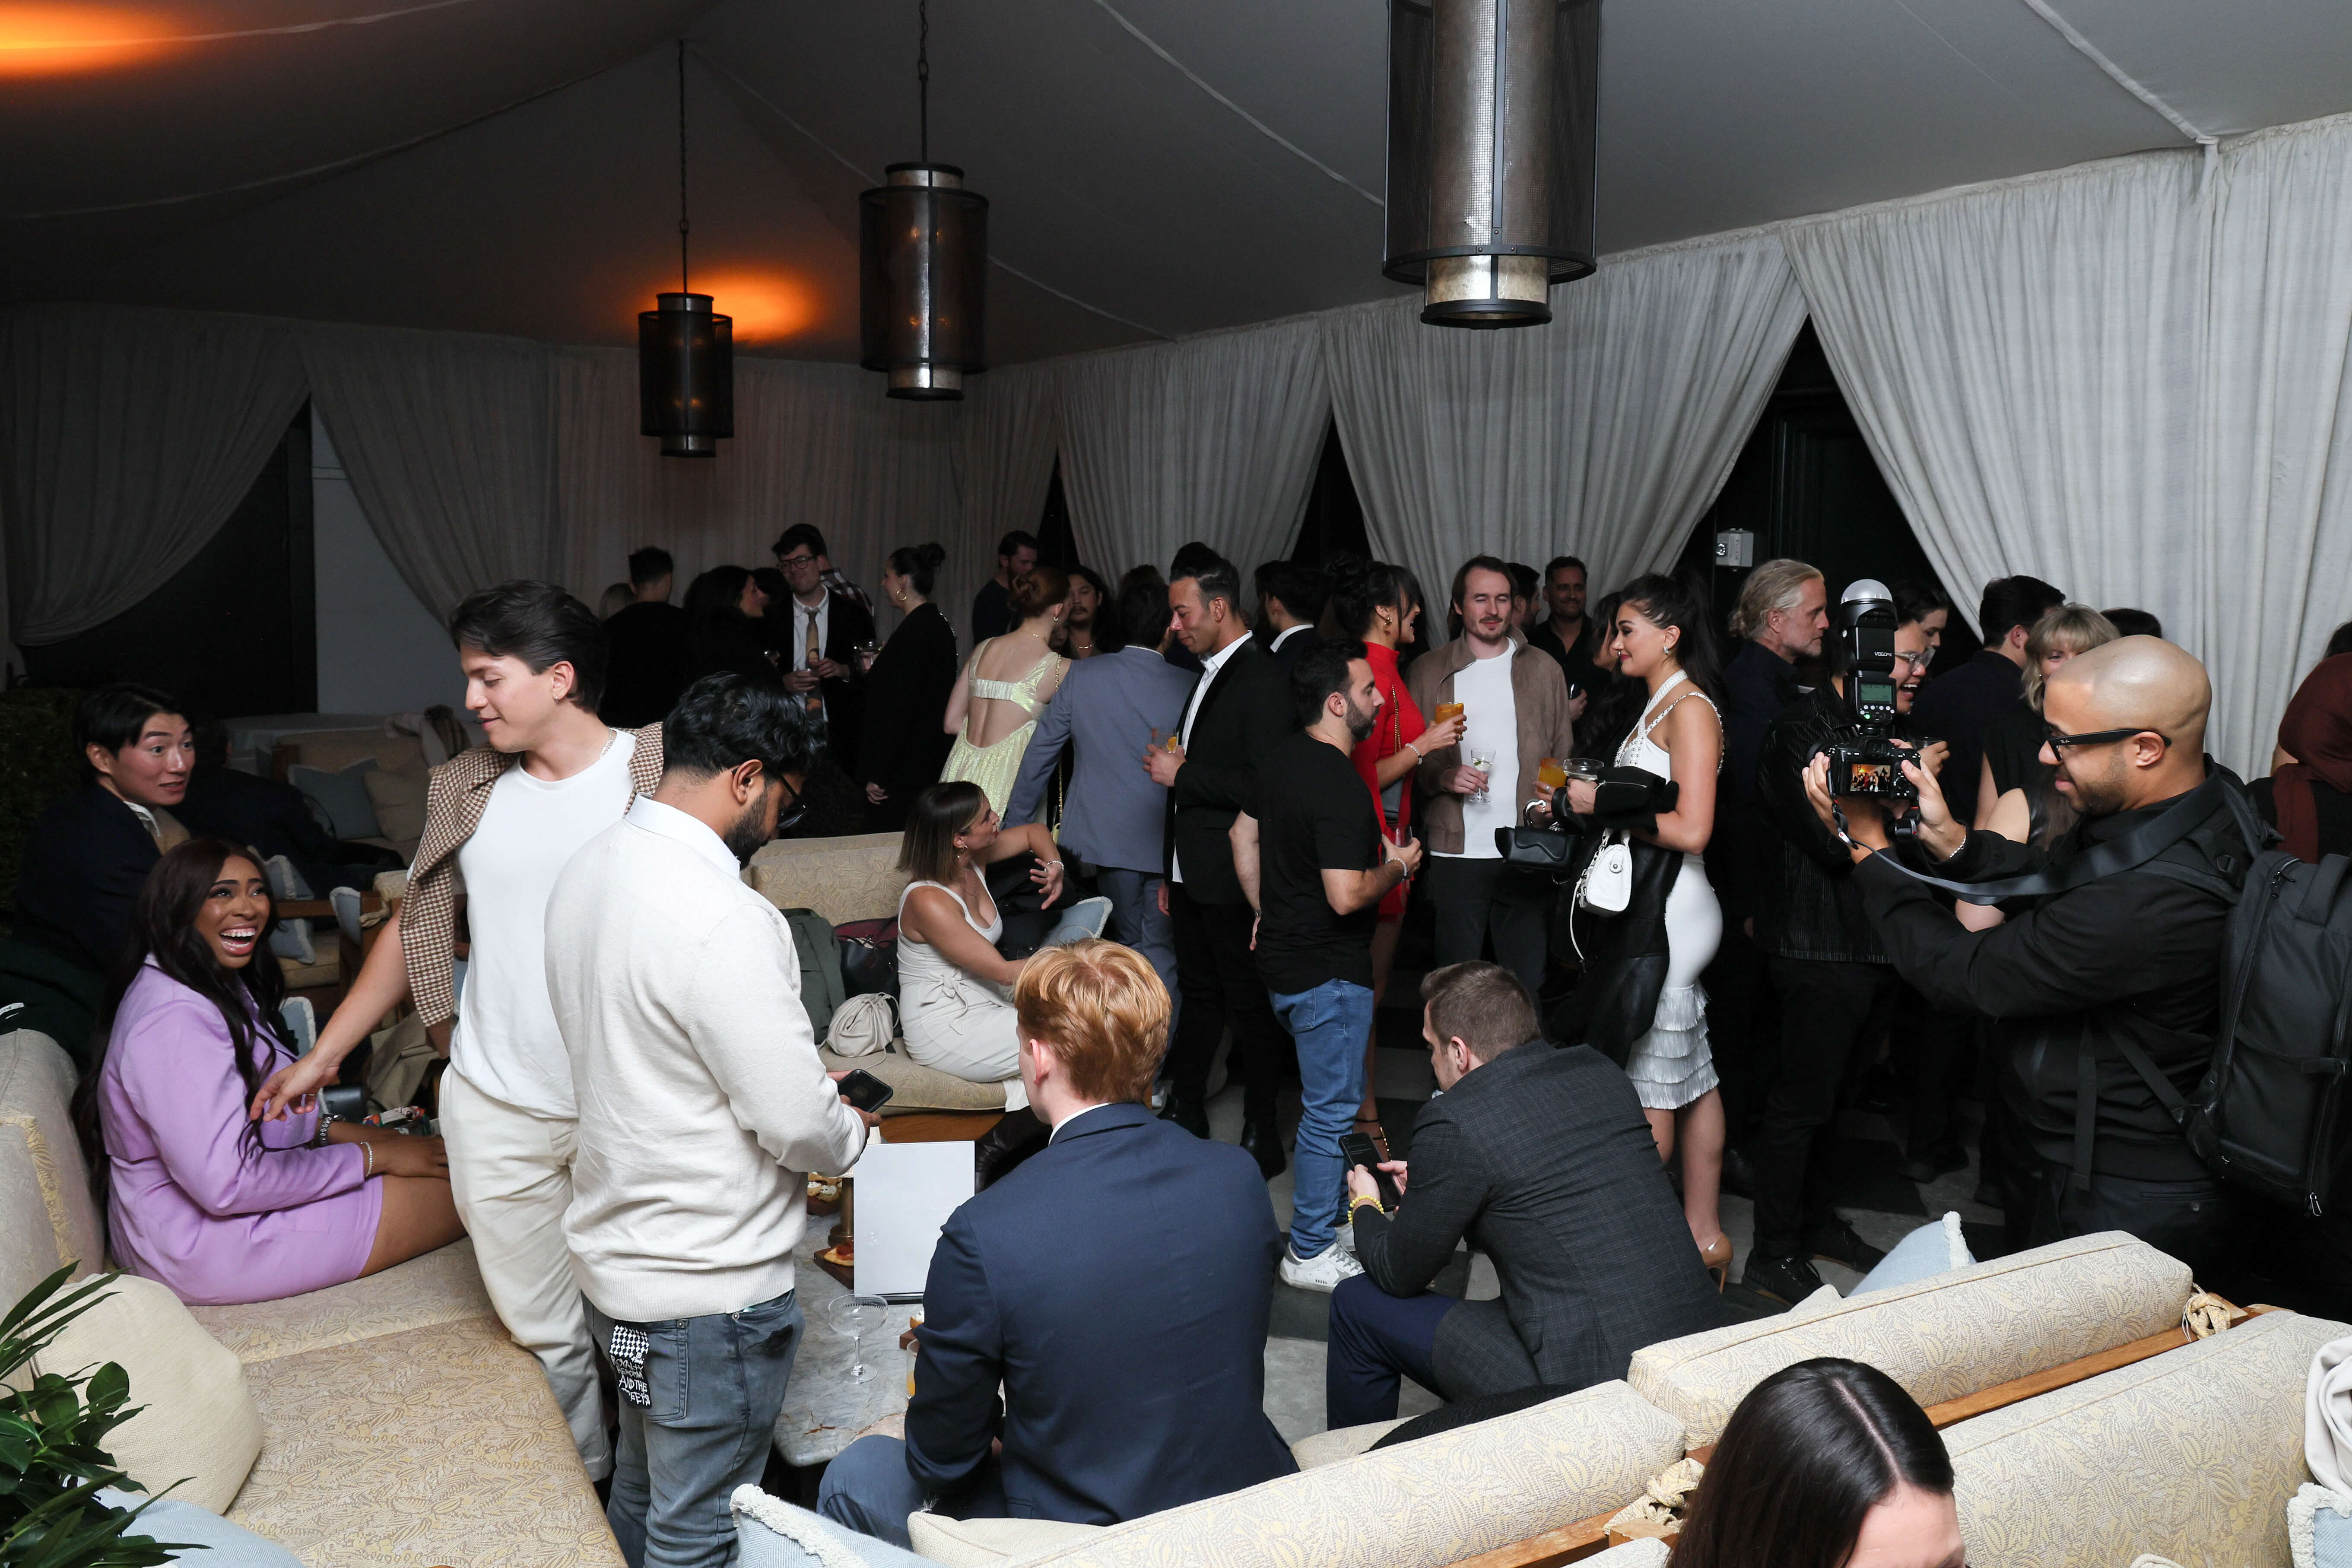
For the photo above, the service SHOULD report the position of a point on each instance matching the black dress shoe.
(1263, 1141)
(1942, 1161)
(1839, 1244)
(1190, 1114)
(1786, 1280)
(1738, 1174)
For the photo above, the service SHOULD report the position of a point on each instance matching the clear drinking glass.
(854, 1317)
(1482, 760)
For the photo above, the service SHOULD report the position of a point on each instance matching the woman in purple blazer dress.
(198, 1195)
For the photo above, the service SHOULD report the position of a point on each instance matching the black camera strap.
(2141, 845)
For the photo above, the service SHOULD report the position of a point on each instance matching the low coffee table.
(823, 1409)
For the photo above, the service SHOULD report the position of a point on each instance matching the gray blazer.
(1107, 705)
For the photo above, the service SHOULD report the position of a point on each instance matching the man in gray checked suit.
(1115, 818)
(1542, 1160)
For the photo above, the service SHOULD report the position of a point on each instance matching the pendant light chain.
(923, 77)
(682, 225)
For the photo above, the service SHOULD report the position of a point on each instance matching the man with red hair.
(1116, 1285)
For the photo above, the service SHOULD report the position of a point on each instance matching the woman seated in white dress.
(1006, 685)
(955, 989)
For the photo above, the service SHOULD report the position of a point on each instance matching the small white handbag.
(1607, 885)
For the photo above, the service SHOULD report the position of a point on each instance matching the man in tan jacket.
(1514, 715)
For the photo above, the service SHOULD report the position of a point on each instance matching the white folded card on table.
(905, 1192)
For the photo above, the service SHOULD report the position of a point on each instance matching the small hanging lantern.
(923, 267)
(686, 350)
(1492, 138)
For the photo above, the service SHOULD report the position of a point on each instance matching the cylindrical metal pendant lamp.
(923, 267)
(1492, 137)
(686, 375)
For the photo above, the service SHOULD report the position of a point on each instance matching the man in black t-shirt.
(1314, 864)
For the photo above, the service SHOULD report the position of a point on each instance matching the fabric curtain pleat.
(127, 437)
(1011, 429)
(1604, 435)
(1214, 438)
(446, 437)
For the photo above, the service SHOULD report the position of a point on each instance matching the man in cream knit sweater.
(702, 1105)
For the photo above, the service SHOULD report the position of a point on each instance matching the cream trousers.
(510, 1171)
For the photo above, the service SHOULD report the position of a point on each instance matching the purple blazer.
(195, 1203)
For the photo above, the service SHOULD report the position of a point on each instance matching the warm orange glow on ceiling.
(56, 39)
(768, 307)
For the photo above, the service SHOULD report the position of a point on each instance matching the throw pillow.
(215, 1541)
(342, 796)
(1930, 1250)
(398, 797)
(772, 1533)
(982, 1543)
(198, 1420)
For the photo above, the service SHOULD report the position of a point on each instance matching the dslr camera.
(1864, 759)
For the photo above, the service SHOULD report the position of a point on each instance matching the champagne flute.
(852, 1318)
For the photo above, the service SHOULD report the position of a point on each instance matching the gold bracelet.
(1358, 1203)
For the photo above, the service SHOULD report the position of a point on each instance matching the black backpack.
(2265, 1118)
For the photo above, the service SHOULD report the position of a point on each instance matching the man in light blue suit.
(1115, 818)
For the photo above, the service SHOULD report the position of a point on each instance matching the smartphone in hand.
(1357, 1149)
(863, 1091)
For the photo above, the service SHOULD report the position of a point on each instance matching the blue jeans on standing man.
(1329, 1024)
(698, 1400)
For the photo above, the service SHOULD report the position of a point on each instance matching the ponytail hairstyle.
(1671, 602)
(163, 927)
(1036, 591)
(920, 564)
(1361, 588)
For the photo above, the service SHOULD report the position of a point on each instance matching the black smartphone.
(1357, 1149)
(863, 1091)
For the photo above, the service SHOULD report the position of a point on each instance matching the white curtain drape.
(1214, 438)
(1011, 425)
(2023, 362)
(814, 443)
(1604, 435)
(129, 436)
(2267, 571)
(446, 437)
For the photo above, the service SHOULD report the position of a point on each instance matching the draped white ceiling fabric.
(129, 436)
(1011, 430)
(1604, 435)
(1214, 438)
(446, 438)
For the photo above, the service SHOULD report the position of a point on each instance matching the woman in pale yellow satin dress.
(1006, 684)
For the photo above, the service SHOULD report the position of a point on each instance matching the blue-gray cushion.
(342, 797)
(1932, 1249)
(772, 1533)
(217, 1543)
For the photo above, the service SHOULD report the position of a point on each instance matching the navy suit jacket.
(1107, 706)
(85, 861)
(1118, 1283)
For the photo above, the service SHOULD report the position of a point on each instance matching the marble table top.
(823, 1408)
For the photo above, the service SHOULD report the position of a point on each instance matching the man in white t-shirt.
(500, 821)
(1514, 715)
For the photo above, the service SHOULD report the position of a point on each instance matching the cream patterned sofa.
(387, 1422)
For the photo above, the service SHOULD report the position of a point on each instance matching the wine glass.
(1482, 759)
(854, 1317)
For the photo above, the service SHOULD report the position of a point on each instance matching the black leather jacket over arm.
(1811, 907)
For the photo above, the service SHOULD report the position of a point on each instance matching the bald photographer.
(2106, 976)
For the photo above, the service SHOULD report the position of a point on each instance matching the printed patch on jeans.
(627, 1350)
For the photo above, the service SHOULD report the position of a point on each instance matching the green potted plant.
(53, 1461)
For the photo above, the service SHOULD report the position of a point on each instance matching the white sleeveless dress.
(1671, 1066)
(955, 1022)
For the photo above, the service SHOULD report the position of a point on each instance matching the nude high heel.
(1715, 1256)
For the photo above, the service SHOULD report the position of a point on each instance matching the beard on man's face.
(1361, 720)
(750, 831)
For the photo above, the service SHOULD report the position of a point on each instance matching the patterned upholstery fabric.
(1650, 1553)
(47, 1217)
(442, 1287)
(2193, 1454)
(1939, 1338)
(1319, 1448)
(979, 1543)
(919, 1088)
(843, 879)
(441, 1444)
(1417, 1505)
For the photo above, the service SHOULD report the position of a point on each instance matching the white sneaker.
(1326, 1271)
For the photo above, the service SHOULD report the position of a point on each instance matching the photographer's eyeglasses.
(788, 813)
(2058, 742)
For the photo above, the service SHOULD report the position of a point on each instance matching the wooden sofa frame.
(1587, 1537)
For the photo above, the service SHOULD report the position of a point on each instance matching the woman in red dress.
(1381, 605)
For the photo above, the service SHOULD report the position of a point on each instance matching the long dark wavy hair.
(163, 927)
(1806, 1456)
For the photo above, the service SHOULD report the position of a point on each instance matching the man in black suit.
(1542, 1160)
(90, 853)
(647, 668)
(1958, 706)
(1239, 709)
(1290, 597)
(818, 634)
(1116, 1285)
